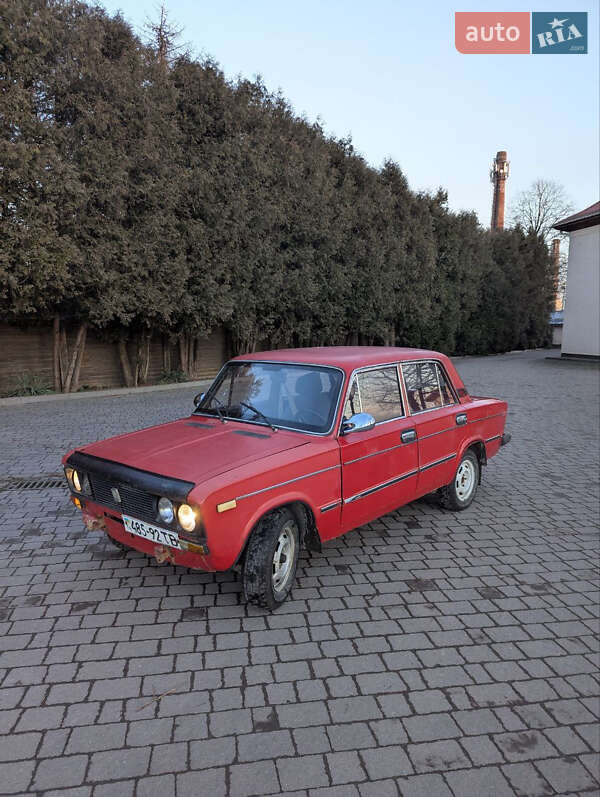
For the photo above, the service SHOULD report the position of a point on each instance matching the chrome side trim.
(424, 437)
(453, 428)
(378, 487)
(376, 453)
(389, 420)
(487, 417)
(289, 481)
(437, 462)
(495, 437)
(431, 409)
(442, 431)
(330, 506)
(397, 479)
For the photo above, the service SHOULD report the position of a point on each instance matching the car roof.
(346, 357)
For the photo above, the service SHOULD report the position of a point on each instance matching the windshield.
(302, 397)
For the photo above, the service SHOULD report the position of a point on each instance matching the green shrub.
(172, 376)
(29, 384)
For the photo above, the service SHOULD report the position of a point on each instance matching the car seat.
(311, 398)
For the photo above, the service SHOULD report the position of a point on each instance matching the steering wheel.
(321, 421)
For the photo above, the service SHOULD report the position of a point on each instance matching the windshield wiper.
(217, 408)
(258, 413)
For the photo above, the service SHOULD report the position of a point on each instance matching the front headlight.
(76, 481)
(186, 517)
(166, 510)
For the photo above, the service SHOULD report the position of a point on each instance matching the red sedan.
(289, 448)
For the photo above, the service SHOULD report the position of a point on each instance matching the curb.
(557, 358)
(17, 401)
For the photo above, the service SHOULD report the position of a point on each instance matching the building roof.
(345, 357)
(585, 218)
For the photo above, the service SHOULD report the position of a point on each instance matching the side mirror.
(198, 398)
(361, 422)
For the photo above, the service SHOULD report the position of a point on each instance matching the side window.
(377, 392)
(352, 406)
(426, 386)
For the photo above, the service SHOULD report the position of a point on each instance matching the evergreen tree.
(141, 194)
(34, 253)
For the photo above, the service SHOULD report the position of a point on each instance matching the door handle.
(461, 419)
(408, 436)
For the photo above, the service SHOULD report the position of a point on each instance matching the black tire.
(452, 496)
(261, 580)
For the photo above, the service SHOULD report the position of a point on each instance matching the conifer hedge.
(142, 195)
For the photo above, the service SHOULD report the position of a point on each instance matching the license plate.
(150, 532)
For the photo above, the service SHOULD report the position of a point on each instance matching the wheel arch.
(478, 448)
(304, 513)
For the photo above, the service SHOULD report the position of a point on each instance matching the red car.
(289, 448)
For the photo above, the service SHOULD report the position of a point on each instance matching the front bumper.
(193, 555)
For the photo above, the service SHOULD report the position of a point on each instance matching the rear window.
(426, 386)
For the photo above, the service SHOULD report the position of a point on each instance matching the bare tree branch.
(164, 35)
(541, 206)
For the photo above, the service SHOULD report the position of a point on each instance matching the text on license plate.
(150, 532)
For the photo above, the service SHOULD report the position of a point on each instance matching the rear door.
(379, 466)
(439, 419)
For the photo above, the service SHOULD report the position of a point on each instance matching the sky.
(387, 74)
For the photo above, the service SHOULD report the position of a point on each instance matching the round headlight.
(76, 482)
(186, 517)
(165, 510)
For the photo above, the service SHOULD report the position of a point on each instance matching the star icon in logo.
(557, 23)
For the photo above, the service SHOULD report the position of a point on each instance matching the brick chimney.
(498, 178)
(558, 303)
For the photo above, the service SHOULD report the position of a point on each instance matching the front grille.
(136, 503)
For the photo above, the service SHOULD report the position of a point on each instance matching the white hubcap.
(283, 558)
(465, 480)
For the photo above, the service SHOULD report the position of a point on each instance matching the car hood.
(195, 449)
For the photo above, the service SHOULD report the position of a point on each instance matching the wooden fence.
(30, 352)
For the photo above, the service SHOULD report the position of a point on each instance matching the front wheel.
(271, 559)
(459, 494)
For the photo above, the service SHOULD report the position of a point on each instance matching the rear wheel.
(459, 494)
(271, 559)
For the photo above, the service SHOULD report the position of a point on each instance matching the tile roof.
(585, 218)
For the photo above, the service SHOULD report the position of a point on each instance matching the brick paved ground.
(427, 654)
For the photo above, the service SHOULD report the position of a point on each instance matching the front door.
(379, 466)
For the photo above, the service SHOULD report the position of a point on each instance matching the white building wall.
(581, 329)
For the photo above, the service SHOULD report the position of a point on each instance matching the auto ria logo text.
(521, 33)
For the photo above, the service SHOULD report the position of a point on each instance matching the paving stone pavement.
(426, 654)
